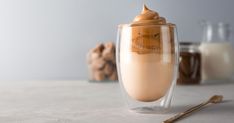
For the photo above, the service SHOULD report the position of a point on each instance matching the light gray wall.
(49, 39)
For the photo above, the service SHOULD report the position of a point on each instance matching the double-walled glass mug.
(147, 63)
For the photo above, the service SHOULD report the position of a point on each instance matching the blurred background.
(49, 39)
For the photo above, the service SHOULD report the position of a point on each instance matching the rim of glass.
(147, 25)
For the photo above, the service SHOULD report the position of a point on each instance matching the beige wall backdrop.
(49, 39)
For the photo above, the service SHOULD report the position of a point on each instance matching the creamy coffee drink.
(147, 56)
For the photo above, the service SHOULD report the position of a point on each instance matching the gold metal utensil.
(213, 100)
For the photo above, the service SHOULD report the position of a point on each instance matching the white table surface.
(85, 102)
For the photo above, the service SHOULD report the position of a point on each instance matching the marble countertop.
(86, 102)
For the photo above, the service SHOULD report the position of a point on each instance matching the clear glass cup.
(147, 64)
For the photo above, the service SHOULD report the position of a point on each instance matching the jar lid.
(189, 47)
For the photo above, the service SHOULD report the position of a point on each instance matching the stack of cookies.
(101, 62)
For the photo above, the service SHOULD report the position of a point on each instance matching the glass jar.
(217, 52)
(190, 64)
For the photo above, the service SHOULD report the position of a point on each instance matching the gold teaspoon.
(213, 100)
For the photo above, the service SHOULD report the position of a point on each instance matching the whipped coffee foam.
(148, 17)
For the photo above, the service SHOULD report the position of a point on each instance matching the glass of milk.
(217, 52)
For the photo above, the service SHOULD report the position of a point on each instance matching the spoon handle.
(186, 113)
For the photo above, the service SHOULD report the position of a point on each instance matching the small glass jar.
(189, 64)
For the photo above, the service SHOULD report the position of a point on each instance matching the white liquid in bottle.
(217, 60)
